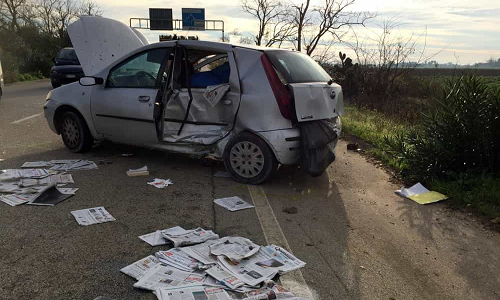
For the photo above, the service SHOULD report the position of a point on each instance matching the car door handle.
(144, 99)
(227, 102)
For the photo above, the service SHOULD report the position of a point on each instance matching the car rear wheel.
(249, 159)
(55, 85)
(75, 133)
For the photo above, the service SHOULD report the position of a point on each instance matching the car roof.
(222, 46)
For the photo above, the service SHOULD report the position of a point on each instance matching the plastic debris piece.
(160, 183)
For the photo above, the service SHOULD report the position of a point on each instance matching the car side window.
(215, 72)
(139, 71)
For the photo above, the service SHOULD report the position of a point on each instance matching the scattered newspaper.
(67, 191)
(11, 174)
(214, 93)
(271, 290)
(190, 237)
(58, 178)
(235, 248)
(92, 216)
(37, 164)
(157, 239)
(194, 272)
(254, 270)
(177, 259)
(233, 203)
(14, 200)
(140, 267)
(161, 183)
(221, 274)
(138, 172)
(192, 293)
(73, 165)
(201, 252)
(159, 276)
(286, 262)
(49, 196)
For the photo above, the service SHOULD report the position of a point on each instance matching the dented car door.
(195, 112)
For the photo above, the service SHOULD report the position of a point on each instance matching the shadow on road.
(319, 231)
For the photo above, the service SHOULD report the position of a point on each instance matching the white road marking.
(26, 119)
(293, 281)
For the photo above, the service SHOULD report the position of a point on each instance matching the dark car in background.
(67, 68)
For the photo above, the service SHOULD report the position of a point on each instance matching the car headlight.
(48, 96)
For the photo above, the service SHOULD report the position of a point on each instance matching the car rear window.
(297, 67)
(67, 54)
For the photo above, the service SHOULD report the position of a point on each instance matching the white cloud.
(471, 29)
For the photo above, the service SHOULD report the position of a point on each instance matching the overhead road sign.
(160, 19)
(193, 19)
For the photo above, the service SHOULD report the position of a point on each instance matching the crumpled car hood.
(99, 41)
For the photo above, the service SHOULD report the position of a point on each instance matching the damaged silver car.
(252, 107)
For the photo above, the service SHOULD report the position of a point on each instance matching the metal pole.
(222, 30)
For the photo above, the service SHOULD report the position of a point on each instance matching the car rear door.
(315, 96)
(188, 115)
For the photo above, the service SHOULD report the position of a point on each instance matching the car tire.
(75, 133)
(55, 85)
(249, 159)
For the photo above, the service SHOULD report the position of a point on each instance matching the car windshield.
(67, 55)
(297, 67)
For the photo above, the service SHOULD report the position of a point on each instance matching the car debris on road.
(160, 183)
(233, 203)
(203, 266)
(138, 172)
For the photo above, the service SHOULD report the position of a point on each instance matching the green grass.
(491, 81)
(479, 193)
(11, 78)
(372, 126)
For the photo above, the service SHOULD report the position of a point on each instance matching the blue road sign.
(193, 19)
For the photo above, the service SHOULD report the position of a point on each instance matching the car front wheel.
(249, 159)
(75, 133)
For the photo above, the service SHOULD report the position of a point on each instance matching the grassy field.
(491, 81)
(479, 193)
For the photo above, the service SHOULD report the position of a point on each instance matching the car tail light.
(280, 91)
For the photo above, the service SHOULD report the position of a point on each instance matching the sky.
(456, 31)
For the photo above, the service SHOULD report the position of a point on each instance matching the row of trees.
(32, 31)
(304, 25)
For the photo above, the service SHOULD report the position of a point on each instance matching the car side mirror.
(90, 80)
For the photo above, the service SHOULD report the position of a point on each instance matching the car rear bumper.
(285, 143)
(62, 78)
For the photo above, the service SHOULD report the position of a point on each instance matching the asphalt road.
(359, 240)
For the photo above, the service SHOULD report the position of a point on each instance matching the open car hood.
(99, 41)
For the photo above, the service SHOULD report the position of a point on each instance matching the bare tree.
(90, 8)
(274, 23)
(387, 59)
(46, 11)
(11, 13)
(330, 18)
(301, 19)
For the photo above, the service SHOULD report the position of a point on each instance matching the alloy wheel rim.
(70, 132)
(247, 159)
